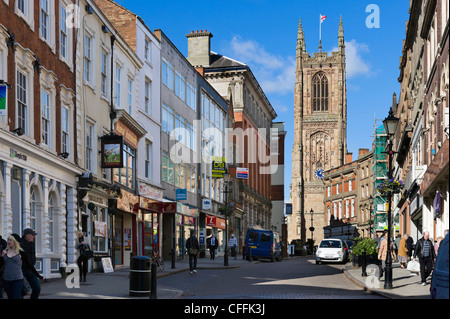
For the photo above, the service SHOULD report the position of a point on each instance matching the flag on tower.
(322, 18)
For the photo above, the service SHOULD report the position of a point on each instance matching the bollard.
(364, 264)
(250, 254)
(173, 258)
(153, 282)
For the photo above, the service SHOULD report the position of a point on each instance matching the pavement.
(116, 285)
(405, 285)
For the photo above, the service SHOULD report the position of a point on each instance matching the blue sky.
(263, 34)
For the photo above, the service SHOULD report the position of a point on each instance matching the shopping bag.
(413, 266)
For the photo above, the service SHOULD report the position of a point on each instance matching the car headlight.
(319, 252)
(340, 253)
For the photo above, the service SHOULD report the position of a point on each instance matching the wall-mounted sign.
(288, 209)
(242, 173)
(130, 137)
(206, 204)
(2, 100)
(112, 151)
(181, 194)
(218, 167)
(14, 154)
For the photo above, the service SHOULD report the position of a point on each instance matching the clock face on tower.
(319, 173)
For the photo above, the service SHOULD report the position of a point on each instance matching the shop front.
(215, 225)
(125, 228)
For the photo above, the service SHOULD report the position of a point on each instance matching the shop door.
(118, 240)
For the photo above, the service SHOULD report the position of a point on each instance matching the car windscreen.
(330, 244)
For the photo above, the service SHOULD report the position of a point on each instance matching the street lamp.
(390, 124)
(226, 180)
(312, 224)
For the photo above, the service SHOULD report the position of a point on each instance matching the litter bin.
(140, 274)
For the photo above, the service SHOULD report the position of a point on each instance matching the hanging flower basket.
(390, 186)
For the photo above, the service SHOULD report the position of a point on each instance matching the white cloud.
(275, 74)
(355, 63)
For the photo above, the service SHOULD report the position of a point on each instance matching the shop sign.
(14, 154)
(2, 100)
(206, 204)
(242, 173)
(181, 194)
(218, 167)
(216, 222)
(150, 192)
(112, 151)
(130, 137)
(100, 229)
(128, 202)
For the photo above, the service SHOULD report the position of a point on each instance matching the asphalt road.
(289, 279)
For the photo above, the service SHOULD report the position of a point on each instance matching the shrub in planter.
(364, 244)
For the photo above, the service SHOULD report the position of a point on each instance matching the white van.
(332, 250)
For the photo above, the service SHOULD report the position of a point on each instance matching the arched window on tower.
(320, 92)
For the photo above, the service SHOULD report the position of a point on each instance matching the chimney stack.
(199, 48)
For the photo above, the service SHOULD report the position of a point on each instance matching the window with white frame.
(117, 85)
(99, 242)
(104, 74)
(65, 129)
(148, 50)
(33, 207)
(63, 34)
(25, 9)
(190, 95)
(45, 118)
(148, 157)
(45, 19)
(127, 175)
(130, 96)
(52, 221)
(167, 169)
(22, 104)
(89, 146)
(147, 97)
(88, 43)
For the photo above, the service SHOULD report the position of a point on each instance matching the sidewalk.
(404, 286)
(116, 285)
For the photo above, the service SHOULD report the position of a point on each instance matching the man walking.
(213, 244)
(425, 251)
(29, 272)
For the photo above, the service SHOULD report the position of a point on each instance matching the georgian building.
(252, 111)
(38, 150)
(422, 136)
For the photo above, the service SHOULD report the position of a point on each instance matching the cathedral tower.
(320, 143)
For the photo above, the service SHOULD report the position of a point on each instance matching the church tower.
(320, 143)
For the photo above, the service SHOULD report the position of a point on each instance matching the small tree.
(364, 244)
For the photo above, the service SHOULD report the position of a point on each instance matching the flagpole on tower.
(322, 18)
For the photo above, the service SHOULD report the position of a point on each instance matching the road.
(289, 279)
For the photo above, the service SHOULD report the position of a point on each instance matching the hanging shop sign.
(218, 167)
(2, 100)
(112, 151)
(242, 173)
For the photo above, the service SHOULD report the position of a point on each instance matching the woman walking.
(403, 252)
(12, 275)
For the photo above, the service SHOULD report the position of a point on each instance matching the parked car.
(263, 243)
(332, 250)
(440, 281)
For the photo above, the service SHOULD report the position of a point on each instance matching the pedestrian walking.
(410, 247)
(83, 258)
(213, 244)
(425, 252)
(3, 246)
(193, 250)
(382, 252)
(437, 244)
(403, 251)
(29, 272)
(233, 245)
(12, 274)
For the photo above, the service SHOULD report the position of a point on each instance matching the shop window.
(127, 175)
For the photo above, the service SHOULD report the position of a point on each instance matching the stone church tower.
(320, 133)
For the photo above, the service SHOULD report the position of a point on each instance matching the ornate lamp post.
(390, 124)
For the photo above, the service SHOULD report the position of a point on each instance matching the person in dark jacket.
(192, 243)
(29, 272)
(425, 251)
(82, 260)
(409, 246)
(3, 245)
(213, 244)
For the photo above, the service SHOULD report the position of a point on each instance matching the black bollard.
(364, 264)
(173, 258)
(250, 254)
(153, 282)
